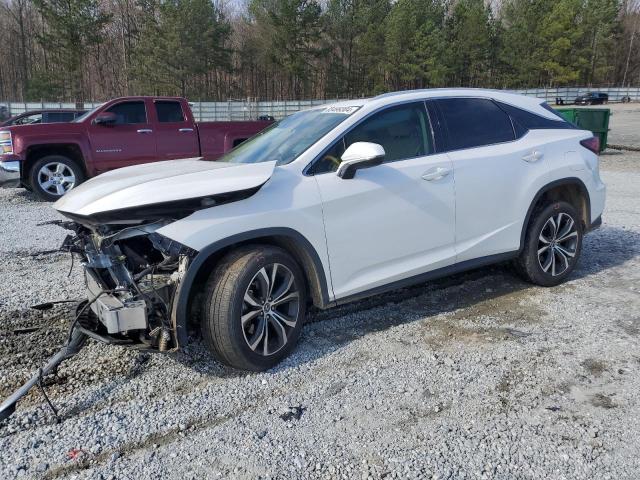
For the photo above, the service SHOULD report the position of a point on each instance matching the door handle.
(436, 173)
(533, 156)
(185, 130)
(145, 130)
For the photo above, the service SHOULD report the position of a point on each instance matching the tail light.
(592, 144)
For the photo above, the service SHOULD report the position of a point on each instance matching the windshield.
(287, 139)
(85, 115)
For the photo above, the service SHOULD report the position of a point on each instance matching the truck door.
(176, 133)
(129, 141)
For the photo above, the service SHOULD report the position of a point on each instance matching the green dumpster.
(594, 119)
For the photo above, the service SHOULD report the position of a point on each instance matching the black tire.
(235, 276)
(531, 264)
(38, 179)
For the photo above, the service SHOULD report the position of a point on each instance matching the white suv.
(329, 205)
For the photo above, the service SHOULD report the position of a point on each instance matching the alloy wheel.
(557, 244)
(56, 178)
(270, 309)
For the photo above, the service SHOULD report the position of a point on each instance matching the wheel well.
(314, 278)
(37, 152)
(570, 190)
(573, 194)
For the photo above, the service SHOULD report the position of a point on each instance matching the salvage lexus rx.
(329, 205)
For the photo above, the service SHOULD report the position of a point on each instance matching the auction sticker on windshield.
(344, 110)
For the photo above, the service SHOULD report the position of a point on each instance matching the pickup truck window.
(86, 114)
(29, 119)
(129, 112)
(55, 117)
(169, 112)
(286, 140)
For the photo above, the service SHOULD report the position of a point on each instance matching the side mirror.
(360, 155)
(106, 118)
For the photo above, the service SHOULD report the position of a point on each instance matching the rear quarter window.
(474, 122)
(55, 117)
(530, 121)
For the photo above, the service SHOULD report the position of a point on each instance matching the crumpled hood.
(162, 183)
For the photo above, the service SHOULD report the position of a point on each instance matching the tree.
(355, 31)
(291, 30)
(295, 49)
(469, 38)
(72, 27)
(415, 46)
(522, 49)
(182, 45)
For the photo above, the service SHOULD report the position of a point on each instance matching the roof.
(528, 103)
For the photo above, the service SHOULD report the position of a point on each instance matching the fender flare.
(550, 186)
(312, 266)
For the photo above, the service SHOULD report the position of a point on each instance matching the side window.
(403, 132)
(29, 119)
(56, 117)
(475, 122)
(129, 112)
(169, 111)
(531, 121)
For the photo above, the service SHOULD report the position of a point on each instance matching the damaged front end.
(132, 274)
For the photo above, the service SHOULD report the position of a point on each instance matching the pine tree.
(73, 27)
(181, 44)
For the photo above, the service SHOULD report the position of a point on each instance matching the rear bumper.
(10, 173)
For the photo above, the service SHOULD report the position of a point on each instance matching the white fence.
(568, 94)
(250, 110)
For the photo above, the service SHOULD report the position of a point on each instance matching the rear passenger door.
(490, 172)
(176, 135)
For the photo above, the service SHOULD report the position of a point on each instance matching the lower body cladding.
(132, 277)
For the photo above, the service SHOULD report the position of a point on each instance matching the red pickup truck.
(50, 159)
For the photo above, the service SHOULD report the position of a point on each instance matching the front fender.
(306, 254)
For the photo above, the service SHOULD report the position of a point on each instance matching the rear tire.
(552, 245)
(253, 315)
(54, 175)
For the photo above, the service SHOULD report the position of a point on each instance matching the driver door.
(129, 141)
(393, 221)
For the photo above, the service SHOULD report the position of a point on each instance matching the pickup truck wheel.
(54, 175)
(254, 308)
(552, 245)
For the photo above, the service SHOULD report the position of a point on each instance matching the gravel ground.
(476, 376)
(624, 123)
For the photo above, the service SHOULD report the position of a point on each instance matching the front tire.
(255, 305)
(54, 175)
(553, 244)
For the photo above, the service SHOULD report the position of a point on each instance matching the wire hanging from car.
(46, 397)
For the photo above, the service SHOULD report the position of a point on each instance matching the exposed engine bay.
(132, 274)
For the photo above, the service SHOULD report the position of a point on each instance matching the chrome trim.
(10, 174)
